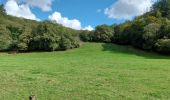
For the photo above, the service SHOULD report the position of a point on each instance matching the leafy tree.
(162, 6)
(18, 34)
(24, 39)
(2, 10)
(103, 33)
(137, 30)
(50, 37)
(122, 33)
(86, 35)
(164, 31)
(65, 43)
(5, 38)
(150, 36)
(15, 32)
(163, 46)
(43, 38)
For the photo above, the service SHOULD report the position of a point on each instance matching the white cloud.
(44, 5)
(74, 23)
(71, 23)
(23, 10)
(90, 28)
(127, 9)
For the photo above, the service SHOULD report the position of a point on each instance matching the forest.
(150, 32)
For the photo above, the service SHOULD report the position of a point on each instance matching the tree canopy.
(150, 31)
(18, 34)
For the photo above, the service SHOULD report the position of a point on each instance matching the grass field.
(93, 72)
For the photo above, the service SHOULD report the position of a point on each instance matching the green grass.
(93, 72)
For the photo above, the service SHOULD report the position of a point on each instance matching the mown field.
(93, 72)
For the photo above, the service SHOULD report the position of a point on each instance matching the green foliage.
(122, 33)
(43, 38)
(24, 39)
(144, 32)
(2, 10)
(86, 35)
(18, 34)
(164, 31)
(48, 37)
(163, 46)
(150, 36)
(15, 33)
(5, 38)
(147, 30)
(65, 43)
(162, 6)
(103, 33)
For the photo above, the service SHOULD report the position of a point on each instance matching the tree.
(15, 32)
(49, 37)
(86, 35)
(137, 30)
(150, 36)
(5, 38)
(2, 10)
(163, 46)
(65, 43)
(44, 38)
(122, 33)
(164, 29)
(163, 6)
(18, 34)
(103, 33)
(24, 39)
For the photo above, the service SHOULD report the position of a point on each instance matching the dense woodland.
(150, 32)
(18, 34)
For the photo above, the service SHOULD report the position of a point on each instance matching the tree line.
(150, 31)
(18, 34)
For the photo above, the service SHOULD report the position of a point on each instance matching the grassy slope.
(95, 71)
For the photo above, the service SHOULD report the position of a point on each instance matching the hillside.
(18, 34)
(93, 71)
(149, 32)
(112, 62)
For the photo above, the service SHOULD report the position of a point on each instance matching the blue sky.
(85, 12)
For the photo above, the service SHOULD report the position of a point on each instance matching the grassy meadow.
(95, 71)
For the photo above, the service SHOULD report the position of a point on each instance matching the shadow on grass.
(129, 50)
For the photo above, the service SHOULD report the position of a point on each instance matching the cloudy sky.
(78, 14)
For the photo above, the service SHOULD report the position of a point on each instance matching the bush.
(65, 43)
(15, 32)
(43, 39)
(68, 42)
(5, 38)
(24, 39)
(86, 36)
(150, 36)
(103, 33)
(47, 37)
(122, 34)
(163, 46)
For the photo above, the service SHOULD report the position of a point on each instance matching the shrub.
(86, 35)
(5, 38)
(103, 33)
(150, 36)
(163, 46)
(47, 37)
